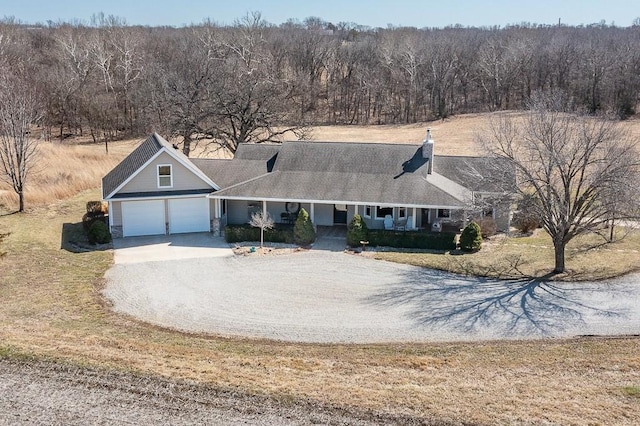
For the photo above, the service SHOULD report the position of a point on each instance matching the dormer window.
(165, 176)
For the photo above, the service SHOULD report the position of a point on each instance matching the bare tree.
(19, 110)
(572, 163)
(252, 105)
(262, 220)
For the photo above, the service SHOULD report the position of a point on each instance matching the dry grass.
(532, 256)
(65, 169)
(453, 136)
(51, 307)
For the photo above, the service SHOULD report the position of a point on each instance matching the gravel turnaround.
(334, 297)
(43, 393)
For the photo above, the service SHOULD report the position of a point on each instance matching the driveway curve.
(195, 284)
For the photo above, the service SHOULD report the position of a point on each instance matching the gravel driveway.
(329, 297)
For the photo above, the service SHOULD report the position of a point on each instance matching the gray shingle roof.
(333, 171)
(230, 172)
(132, 163)
(251, 151)
(365, 188)
(355, 172)
(343, 157)
(482, 174)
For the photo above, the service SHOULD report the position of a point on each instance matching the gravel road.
(50, 394)
(334, 297)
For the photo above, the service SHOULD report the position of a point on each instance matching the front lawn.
(589, 257)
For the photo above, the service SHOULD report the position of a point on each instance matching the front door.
(425, 218)
(339, 214)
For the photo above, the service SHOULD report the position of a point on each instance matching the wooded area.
(252, 81)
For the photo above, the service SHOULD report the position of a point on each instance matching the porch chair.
(408, 226)
(401, 225)
(388, 223)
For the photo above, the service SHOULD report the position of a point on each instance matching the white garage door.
(188, 215)
(143, 218)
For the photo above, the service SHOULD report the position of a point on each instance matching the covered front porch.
(230, 211)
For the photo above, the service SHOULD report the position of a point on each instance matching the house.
(158, 190)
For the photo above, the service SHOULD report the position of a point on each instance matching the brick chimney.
(427, 150)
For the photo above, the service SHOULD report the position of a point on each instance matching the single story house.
(158, 190)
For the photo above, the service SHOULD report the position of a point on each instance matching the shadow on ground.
(74, 240)
(522, 307)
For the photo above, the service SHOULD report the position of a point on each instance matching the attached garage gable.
(188, 215)
(143, 218)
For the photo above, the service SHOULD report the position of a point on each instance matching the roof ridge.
(400, 144)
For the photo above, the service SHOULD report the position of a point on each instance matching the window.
(402, 212)
(165, 177)
(487, 212)
(444, 213)
(367, 211)
(381, 212)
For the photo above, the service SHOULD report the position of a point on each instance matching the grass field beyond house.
(52, 308)
(64, 169)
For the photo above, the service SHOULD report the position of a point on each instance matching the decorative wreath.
(292, 207)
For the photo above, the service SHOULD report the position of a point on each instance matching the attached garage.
(143, 218)
(188, 215)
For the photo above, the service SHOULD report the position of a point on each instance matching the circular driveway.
(194, 283)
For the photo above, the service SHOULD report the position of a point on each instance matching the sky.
(373, 13)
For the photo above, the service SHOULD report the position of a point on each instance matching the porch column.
(110, 216)
(264, 206)
(312, 215)
(215, 223)
(355, 206)
(413, 218)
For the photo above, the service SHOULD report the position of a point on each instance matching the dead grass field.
(65, 169)
(51, 307)
(453, 136)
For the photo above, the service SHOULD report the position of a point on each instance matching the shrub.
(488, 226)
(88, 219)
(471, 238)
(303, 232)
(99, 233)
(525, 219)
(413, 239)
(240, 233)
(357, 231)
(525, 224)
(97, 207)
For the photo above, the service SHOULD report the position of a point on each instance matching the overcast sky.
(374, 13)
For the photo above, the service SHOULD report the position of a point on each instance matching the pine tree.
(303, 232)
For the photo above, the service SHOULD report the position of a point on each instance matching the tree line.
(253, 81)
